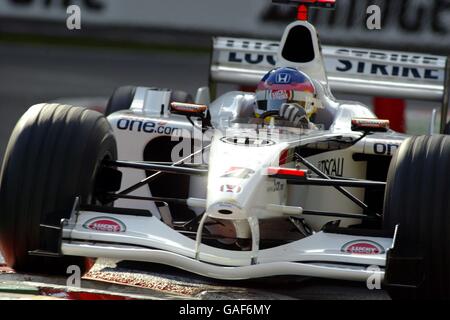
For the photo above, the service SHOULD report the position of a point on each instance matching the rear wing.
(349, 70)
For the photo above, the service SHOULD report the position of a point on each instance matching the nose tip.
(225, 210)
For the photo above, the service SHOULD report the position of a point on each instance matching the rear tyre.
(181, 96)
(121, 99)
(53, 156)
(418, 201)
(447, 129)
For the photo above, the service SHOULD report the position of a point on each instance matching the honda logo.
(283, 78)
(230, 188)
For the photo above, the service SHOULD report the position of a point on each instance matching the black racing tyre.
(121, 99)
(181, 96)
(52, 157)
(418, 201)
(447, 128)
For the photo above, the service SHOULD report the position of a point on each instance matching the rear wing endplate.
(349, 70)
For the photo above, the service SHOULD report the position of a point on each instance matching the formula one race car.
(204, 187)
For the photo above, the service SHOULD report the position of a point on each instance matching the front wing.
(146, 238)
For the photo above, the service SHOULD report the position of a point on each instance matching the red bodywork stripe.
(286, 172)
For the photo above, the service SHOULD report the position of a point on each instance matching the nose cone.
(237, 180)
(230, 190)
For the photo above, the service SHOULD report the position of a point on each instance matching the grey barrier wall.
(419, 25)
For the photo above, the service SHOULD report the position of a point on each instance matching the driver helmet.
(286, 85)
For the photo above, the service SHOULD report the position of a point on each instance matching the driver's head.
(285, 85)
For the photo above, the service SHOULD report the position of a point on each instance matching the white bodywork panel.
(315, 68)
(311, 197)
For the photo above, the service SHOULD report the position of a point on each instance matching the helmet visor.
(272, 100)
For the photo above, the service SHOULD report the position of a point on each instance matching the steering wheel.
(267, 114)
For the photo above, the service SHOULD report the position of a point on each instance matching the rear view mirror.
(370, 125)
(188, 109)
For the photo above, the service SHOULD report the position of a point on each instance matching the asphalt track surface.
(31, 74)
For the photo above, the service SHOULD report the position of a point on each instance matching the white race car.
(203, 187)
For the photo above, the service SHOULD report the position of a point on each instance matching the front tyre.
(417, 200)
(53, 156)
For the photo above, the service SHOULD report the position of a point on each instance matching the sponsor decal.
(385, 149)
(376, 69)
(391, 57)
(365, 247)
(275, 186)
(239, 173)
(230, 188)
(281, 95)
(396, 65)
(252, 59)
(105, 224)
(160, 127)
(249, 142)
(332, 167)
(91, 5)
